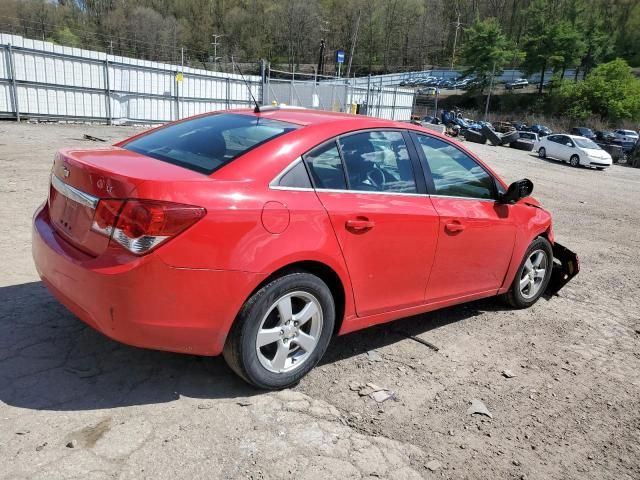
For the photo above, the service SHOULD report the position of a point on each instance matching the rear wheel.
(533, 276)
(282, 331)
(574, 161)
(542, 153)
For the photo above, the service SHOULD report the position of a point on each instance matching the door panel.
(476, 234)
(388, 242)
(474, 248)
(551, 147)
(382, 217)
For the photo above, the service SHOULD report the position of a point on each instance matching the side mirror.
(517, 190)
(569, 144)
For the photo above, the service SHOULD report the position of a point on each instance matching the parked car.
(605, 136)
(626, 135)
(574, 149)
(584, 132)
(541, 130)
(529, 136)
(431, 91)
(430, 119)
(519, 83)
(519, 125)
(259, 233)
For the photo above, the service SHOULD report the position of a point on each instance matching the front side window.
(378, 161)
(207, 143)
(564, 140)
(454, 173)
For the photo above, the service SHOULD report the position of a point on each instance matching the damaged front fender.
(566, 265)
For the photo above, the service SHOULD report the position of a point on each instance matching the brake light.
(105, 217)
(142, 225)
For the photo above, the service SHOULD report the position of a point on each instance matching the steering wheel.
(377, 178)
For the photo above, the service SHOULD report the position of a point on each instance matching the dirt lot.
(572, 411)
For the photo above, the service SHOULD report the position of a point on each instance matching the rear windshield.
(205, 144)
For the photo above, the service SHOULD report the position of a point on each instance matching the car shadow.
(50, 360)
(380, 336)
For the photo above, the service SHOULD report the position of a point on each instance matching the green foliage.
(610, 91)
(486, 47)
(392, 35)
(64, 36)
(551, 41)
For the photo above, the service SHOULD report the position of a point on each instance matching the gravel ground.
(75, 404)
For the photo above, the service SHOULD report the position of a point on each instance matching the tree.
(64, 36)
(486, 49)
(610, 91)
(568, 47)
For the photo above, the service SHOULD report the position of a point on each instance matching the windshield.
(205, 144)
(586, 143)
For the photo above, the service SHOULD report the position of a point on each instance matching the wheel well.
(322, 271)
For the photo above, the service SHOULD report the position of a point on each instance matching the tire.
(473, 136)
(542, 153)
(516, 297)
(493, 137)
(574, 161)
(522, 144)
(260, 366)
(507, 138)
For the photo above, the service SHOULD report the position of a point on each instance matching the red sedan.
(261, 234)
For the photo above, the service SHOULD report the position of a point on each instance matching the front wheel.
(542, 153)
(574, 161)
(533, 276)
(282, 331)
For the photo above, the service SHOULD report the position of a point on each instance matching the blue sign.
(340, 56)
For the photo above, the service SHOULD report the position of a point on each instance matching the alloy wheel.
(289, 332)
(533, 274)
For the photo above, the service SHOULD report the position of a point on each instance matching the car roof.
(309, 117)
(572, 136)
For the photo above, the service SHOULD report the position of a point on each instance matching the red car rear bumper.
(141, 301)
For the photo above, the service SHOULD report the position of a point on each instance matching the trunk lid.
(80, 178)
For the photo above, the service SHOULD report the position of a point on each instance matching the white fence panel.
(61, 82)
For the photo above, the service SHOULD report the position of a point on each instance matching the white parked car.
(626, 135)
(573, 149)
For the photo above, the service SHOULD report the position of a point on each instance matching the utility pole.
(353, 45)
(455, 41)
(215, 44)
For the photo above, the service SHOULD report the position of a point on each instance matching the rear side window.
(378, 161)
(325, 166)
(296, 177)
(205, 144)
(454, 173)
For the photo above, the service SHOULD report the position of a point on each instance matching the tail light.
(142, 225)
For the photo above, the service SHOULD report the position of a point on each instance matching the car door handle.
(454, 227)
(359, 224)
